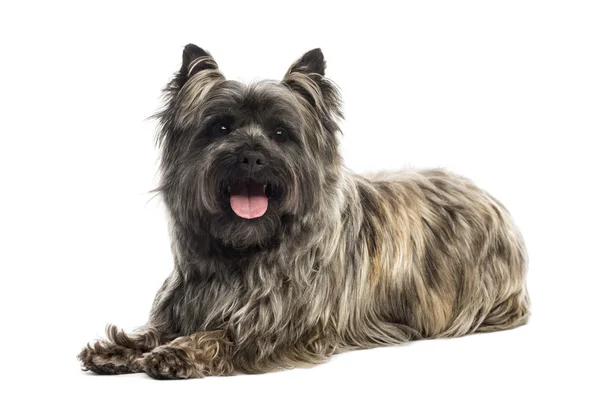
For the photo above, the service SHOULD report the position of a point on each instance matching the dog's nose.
(252, 160)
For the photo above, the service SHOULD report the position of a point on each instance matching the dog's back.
(444, 257)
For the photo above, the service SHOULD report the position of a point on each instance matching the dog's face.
(242, 161)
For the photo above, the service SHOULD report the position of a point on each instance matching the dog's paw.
(107, 358)
(169, 363)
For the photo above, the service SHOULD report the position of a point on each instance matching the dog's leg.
(510, 313)
(121, 352)
(197, 355)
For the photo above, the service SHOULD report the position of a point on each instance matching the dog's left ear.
(312, 62)
(306, 76)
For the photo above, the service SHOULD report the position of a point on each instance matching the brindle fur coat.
(338, 261)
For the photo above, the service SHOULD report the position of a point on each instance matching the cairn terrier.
(282, 257)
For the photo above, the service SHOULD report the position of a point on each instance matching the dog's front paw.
(108, 358)
(170, 363)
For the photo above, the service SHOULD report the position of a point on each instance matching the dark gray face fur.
(210, 124)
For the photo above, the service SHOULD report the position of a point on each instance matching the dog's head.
(240, 162)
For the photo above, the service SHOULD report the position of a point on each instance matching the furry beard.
(283, 258)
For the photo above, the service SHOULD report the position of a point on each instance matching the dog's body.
(282, 257)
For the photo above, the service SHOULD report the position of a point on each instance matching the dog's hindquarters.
(444, 258)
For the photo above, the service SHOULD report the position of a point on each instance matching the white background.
(506, 93)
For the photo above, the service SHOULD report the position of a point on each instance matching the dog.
(282, 257)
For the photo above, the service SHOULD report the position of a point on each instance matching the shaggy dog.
(282, 257)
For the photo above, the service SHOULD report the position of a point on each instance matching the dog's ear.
(306, 76)
(198, 75)
(312, 62)
(194, 60)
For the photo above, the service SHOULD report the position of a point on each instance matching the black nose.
(252, 160)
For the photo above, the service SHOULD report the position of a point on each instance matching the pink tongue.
(249, 200)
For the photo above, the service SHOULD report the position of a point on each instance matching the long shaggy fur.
(339, 261)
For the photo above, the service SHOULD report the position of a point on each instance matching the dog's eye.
(280, 134)
(220, 129)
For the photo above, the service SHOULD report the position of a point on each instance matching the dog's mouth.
(249, 199)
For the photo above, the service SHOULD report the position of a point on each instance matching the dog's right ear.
(194, 60)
